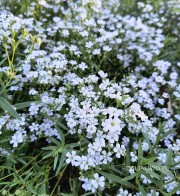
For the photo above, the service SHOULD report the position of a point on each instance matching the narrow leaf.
(166, 134)
(61, 163)
(128, 158)
(177, 188)
(140, 152)
(153, 174)
(23, 105)
(143, 192)
(147, 139)
(7, 106)
(162, 169)
(3, 61)
(169, 158)
(117, 179)
(150, 160)
(55, 141)
(61, 134)
(55, 162)
(129, 177)
(61, 125)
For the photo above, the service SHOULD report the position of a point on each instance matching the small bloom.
(71, 158)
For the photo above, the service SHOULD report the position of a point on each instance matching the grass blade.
(7, 106)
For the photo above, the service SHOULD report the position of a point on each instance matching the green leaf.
(118, 171)
(4, 140)
(164, 193)
(61, 134)
(48, 155)
(169, 158)
(128, 158)
(29, 174)
(117, 179)
(166, 134)
(177, 188)
(147, 139)
(55, 162)
(3, 61)
(154, 193)
(80, 143)
(49, 148)
(61, 162)
(48, 117)
(176, 164)
(31, 189)
(22, 161)
(162, 169)
(23, 105)
(153, 174)
(61, 125)
(149, 177)
(7, 106)
(148, 160)
(143, 192)
(86, 194)
(55, 141)
(129, 177)
(140, 152)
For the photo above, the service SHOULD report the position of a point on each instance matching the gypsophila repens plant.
(89, 98)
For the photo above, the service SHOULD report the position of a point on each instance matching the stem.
(60, 176)
(9, 61)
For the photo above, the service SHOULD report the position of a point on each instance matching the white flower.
(142, 115)
(106, 157)
(98, 181)
(145, 146)
(119, 150)
(33, 92)
(82, 66)
(145, 179)
(134, 158)
(111, 124)
(102, 74)
(16, 139)
(96, 51)
(123, 193)
(42, 2)
(89, 44)
(162, 157)
(82, 162)
(33, 109)
(107, 48)
(135, 107)
(71, 158)
(131, 170)
(73, 48)
(174, 75)
(34, 127)
(93, 186)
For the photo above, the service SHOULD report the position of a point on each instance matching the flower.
(98, 181)
(119, 150)
(102, 74)
(134, 158)
(16, 139)
(71, 158)
(111, 124)
(162, 157)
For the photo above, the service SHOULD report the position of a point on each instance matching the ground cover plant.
(89, 97)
